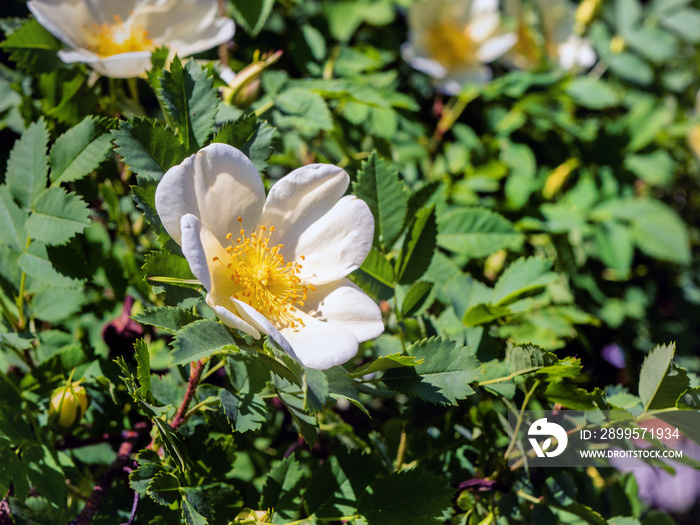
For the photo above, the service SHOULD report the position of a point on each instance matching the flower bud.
(243, 87)
(585, 13)
(68, 404)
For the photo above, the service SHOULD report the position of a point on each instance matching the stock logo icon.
(542, 427)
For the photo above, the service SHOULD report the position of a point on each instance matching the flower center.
(120, 37)
(262, 278)
(451, 45)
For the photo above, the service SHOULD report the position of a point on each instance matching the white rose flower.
(116, 37)
(559, 41)
(451, 40)
(275, 266)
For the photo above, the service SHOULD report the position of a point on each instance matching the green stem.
(213, 369)
(134, 90)
(8, 314)
(20, 296)
(519, 422)
(401, 453)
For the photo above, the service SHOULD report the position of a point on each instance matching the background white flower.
(116, 37)
(275, 266)
(451, 40)
(559, 41)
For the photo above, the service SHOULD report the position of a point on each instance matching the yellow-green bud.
(586, 11)
(68, 404)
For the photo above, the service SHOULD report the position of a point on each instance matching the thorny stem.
(195, 375)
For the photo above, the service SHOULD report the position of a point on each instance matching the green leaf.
(484, 313)
(80, 150)
(12, 221)
(303, 111)
(166, 317)
(378, 267)
(316, 390)
(28, 165)
(56, 304)
(164, 489)
(630, 67)
(592, 93)
(386, 362)
(143, 369)
(148, 147)
(443, 377)
(36, 263)
(661, 382)
(418, 247)
(615, 247)
(252, 14)
(477, 232)
(378, 184)
(57, 216)
(305, 422)
(416, 299)
(654, 168)
(166, 264)
(33, 48)
(528, 358)
(244, 412)
(282, 488)
(190, 516)
(336, 486)
(521, 277)
(411, 496)
(656, 229)
(685, 24)
(190, 102)
(252, 136)
(200, 340)
(689, 400)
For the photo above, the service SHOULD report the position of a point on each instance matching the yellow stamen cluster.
(263, 279)
(120, 37)
(451, 45)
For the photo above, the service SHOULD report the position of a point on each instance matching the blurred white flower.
(452, 40)
(559, 41)
(275, 266)
(116, 37)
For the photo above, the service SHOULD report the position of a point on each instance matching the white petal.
(480, 7)
(123, 65)
(483, 26)
(64, 20)
(477, 74)
(232, 320)
(496, 46)
(201, 249)
(336, 244)
(217, 184)
(301, 198)
(321, 345)
(220, 32)
(344, 305)
(430, 67)
(259, 321)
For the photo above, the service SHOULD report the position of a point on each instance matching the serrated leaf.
(37, 264)
(252, 14)
(28, 165)
(660, 381)
(521, 277)
(442, 378)
(166, 264)
(56, 304)
(411, 496)
(315, 390)
(244, 412)
(57, 216)
(12, 221)
(342, 387)
(689, 400)
(166, 317)
(190, 101)
(305, 422)
(252, 136)
(592, 93)
(529, 358)
(164, 489)
(80, 150)
(148, 147)
(302, 110)
(376, 266)
(418, 247)
(200, 340)
(378, 184)
(282, 488)
(33, 48)
(477, 232)
(190, 516)
(386, 362)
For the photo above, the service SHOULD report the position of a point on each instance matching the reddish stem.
(195, 375)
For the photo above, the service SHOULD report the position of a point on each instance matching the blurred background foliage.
(544, 208)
